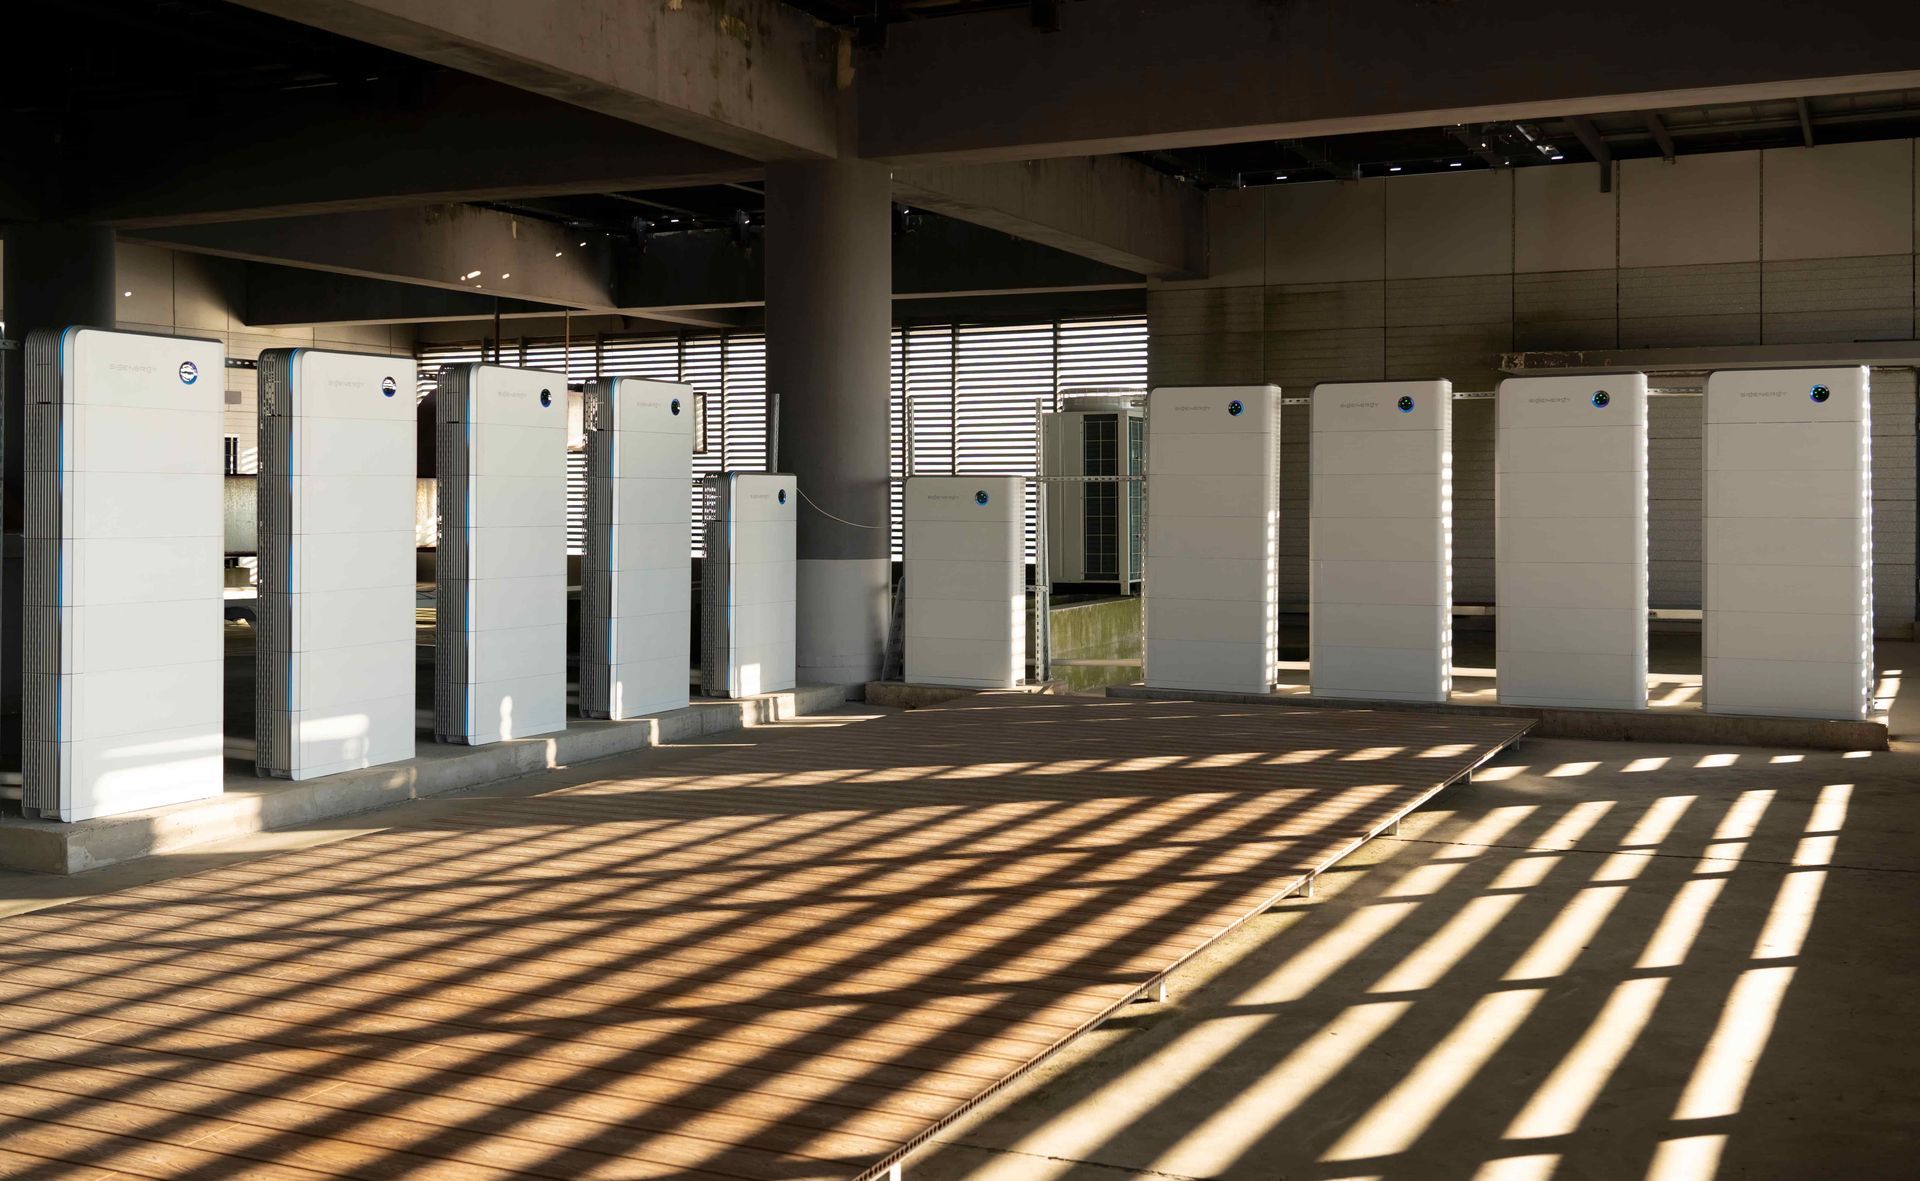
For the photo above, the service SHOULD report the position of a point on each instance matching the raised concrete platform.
(251, 804)
(1613, 725)
(664, 970)
(902, 695)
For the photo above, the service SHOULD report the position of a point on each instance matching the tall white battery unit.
(1381, 541)
(636, 576)
(1788, 572)
(121, 601)
(747, 585)
(966, 575)
(334, 653)
(500, 664)
(1570, 549)
(1213, 512)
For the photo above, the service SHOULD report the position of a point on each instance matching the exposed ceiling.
(1678, 131)
(870, 18)
(194, 53)
(144, 57)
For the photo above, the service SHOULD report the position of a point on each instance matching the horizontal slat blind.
(977, 391)
(975, 388)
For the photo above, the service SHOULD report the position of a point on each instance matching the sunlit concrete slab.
(251, 804)
(785, 960)
(1650, 725)
(1596, 960)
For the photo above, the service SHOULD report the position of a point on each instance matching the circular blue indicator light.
(1405, 404)
(1234, 407)
(546, 397)
(1821, 393)
(189, 373)
(388, 386)
(783, 496)
(1602, 399)
(674, 405)
(980, 497)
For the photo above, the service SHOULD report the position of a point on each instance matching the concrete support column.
(52, 275)
(829, 288)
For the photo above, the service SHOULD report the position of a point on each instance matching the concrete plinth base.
(250, 804)
(901, 695)
(1618, 725)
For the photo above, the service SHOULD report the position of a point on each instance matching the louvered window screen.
(976, 390)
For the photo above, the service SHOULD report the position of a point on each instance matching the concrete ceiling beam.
(367, 264)
(458, 139)
(753, 77)
(478, 252)
(1110, 209)
(1134, 77)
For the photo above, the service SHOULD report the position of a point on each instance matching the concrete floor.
(1600, 960)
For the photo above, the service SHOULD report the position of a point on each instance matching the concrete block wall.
(1436, 275)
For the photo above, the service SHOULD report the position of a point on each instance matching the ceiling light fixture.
(1393, 168)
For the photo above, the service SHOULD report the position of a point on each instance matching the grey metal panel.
(1566, 310)
(598, 410)
(1301, 307)
(1296, 439)
(43, 770)
(1198, 359)
(273, 499)
(1894, 489)
(1464, 353)
(1675, 454)
(716, 584)
(1473, 505)
(1297, 359)
(1184, 311)
(1716, 303)
(1834, 299)
(1461, 299)
(452, 566)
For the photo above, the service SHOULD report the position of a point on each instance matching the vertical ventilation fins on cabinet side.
(452, 563)
(597, 596)
(716, 576)
(273, 638)
(43, 770)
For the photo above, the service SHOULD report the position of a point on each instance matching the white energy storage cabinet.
(500, 667)
(1380, 541)
(1570, 552)
(965, 574)
(636, 575)
(122, 656)
(747, 585)
(1788, 569)
(334, 653)
(1213, 511)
